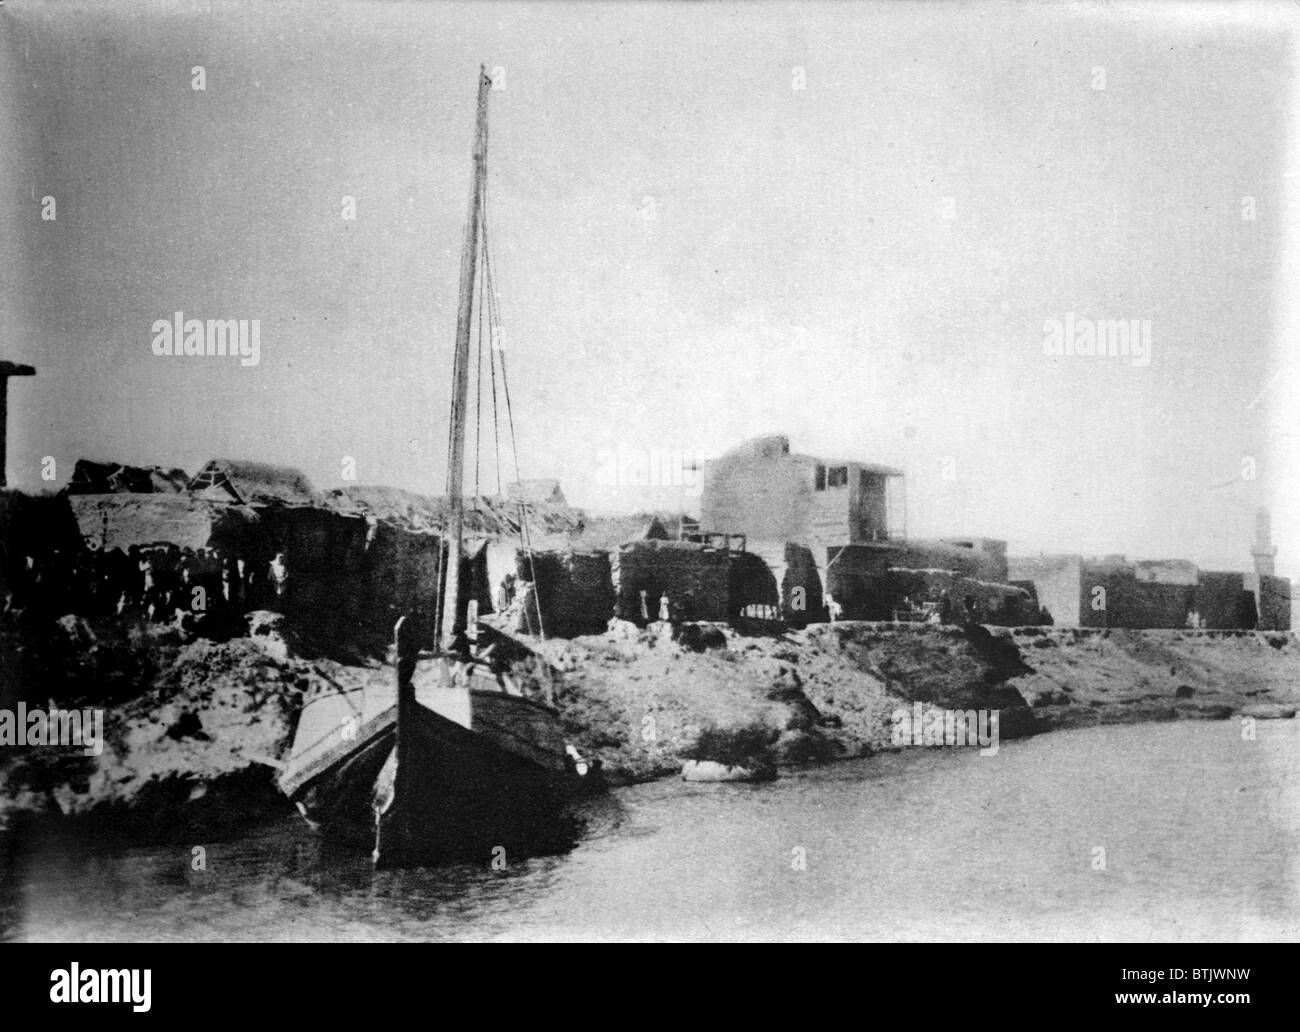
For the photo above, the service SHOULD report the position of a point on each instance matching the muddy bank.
(195, 729)
(193, 732)
(1083, 677)
(831, 690)
(641, 701)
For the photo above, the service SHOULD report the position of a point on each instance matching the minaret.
(1263, 549)
(8, 369)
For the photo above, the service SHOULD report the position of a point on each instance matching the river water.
(1200, 831)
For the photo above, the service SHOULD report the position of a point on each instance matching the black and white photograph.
(615, 472)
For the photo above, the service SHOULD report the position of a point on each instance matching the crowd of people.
(155, 582)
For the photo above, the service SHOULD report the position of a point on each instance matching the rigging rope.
(496, 423)
(494, 319)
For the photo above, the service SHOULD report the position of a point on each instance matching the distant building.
(840, 525)
(763, 491)
(536, 492)
(252, 483)
(609, 532)
(1082, 591)
(91, 477)
(1110, 591)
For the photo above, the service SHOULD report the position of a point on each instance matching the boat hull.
(466, 798)
(487, 778)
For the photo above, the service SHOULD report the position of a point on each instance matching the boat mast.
(453, 623)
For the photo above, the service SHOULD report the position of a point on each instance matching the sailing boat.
(462, 763)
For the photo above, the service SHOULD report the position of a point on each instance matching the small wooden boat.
(450, 768)
(454, 761)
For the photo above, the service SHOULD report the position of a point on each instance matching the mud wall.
(401, 570)
(802, 599)
(696, 579)
(879, 596)
(1220, 601)
(324, 558)
(1112, 592)
(1160, 605)
(574, 591)
(752, 583)
(32, 525)
(1272, 601)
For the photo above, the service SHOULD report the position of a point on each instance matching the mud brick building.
(1111, 591)
(839, 526)
(762, 490)
(704, 580)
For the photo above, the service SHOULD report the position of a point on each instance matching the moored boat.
(455, 759)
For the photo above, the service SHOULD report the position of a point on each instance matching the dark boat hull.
(466, 798)
(458, 794)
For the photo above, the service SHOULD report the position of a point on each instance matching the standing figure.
(279, 574)
(506, 593)
(145, 581)
(833, 608)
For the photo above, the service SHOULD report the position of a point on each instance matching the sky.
(850, 223)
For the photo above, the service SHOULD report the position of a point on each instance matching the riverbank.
(195, 729)
(831, 691)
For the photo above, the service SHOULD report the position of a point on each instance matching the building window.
(820, 481)
(837, 476)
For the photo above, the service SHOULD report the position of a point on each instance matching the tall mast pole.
(452, 622)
